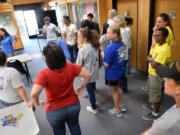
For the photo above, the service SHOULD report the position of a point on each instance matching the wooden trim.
(21, 2)
(103, 7)
(143, 34)
(47, 4)
(5, 7)
(71, 1)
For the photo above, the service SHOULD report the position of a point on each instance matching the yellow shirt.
(162, 55)
(170, 38)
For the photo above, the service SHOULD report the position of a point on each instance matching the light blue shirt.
(6, 44)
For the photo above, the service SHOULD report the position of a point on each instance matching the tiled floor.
(102, 123)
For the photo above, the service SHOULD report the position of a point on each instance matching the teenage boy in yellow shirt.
(159, 55)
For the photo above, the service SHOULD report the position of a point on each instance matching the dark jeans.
(91, 94)
(128, 65)
(73, 51)
(123, 81)
(69, 115)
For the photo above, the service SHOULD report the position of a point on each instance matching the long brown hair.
(92, 36)
(5, 33)
(165, 17)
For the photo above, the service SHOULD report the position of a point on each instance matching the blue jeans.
(69, 115)
(8, 104)
(123, 81)
(128, 65)
(73, 51)
(91, 94)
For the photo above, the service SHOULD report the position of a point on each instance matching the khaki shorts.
(155, 85)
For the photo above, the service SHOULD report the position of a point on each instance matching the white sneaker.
(89, 109)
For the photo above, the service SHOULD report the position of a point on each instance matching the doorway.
(130, 8)
(166, 6)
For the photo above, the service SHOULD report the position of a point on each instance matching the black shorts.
(112, 83)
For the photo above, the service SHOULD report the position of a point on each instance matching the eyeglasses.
(158, 36)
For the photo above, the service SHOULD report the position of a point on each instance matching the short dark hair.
(85, 23)
(47, 18)
(164, 31)
(55, 58)
(66, 17)
(105, 27)
(90, 15)
(3, 58)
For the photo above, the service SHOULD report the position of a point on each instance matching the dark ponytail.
(165, 17)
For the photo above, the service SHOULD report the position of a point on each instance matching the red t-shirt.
(58, 85)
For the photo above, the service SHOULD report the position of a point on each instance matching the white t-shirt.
(125, 39)
(167, 124)
(110, 22)
(50, 30)
(88, 58)
(70, 34)
(128, 29)
(10, 80)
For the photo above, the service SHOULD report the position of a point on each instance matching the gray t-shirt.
(50, 30)
(10, 80)
(104, 42)
(88, 58)
(167, 124)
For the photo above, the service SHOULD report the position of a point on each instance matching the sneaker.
(127, 75)
(144, 87)
(85, 95)
(123, 108)
(148, 106)
(151, 116)
(89, 109)
(113, 112)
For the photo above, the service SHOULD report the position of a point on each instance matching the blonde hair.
(116, 30)
(120, 20)
(112, 13)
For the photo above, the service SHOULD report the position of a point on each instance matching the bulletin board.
(6, 22)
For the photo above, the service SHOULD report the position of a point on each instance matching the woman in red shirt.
(62, 104)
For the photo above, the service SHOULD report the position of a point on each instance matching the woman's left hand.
(79, 91)
(44, 104)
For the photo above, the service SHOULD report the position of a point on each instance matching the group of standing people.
(88, 50)
(113, 48)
